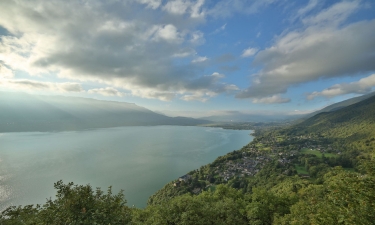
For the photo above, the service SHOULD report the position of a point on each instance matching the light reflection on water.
(139, 160)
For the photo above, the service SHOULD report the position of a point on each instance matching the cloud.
(199, 59)
(271, 100)
(154, 4)
(180, 7)
(197, 38)
(108, 91)
(152, 94)
(5, 73)
(249, 52)
(325, 50)
(168, 33)
(362, 86)
(195, 97)
(185, 52)
(211, 85)
(32, 85)
(112, 43)
(218, 30)
(336, 14)
(310, 6)
(227, 8)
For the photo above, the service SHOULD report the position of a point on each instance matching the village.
(248, 161)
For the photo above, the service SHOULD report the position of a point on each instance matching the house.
(184, 178)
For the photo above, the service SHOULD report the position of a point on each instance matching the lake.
(139, 160)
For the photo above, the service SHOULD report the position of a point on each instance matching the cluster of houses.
(244, 166)
(253, 159)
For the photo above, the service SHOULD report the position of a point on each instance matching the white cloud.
(249, 52)
(271, 100)
(217, 75)
(177, 6)
(108, 91)
(180, 7)
(231, 88)
(196, 9)
(199, 59)
(338, 13)
(362, 86)
(218, 30)
(197, 38)
(108, 42)
(195, 97)
(323, 50)
(185, 52)
(5, 73)
(310, 6)
(154, 4)
(153, 94)
(168, 33)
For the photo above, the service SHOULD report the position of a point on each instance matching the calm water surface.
(139, 160)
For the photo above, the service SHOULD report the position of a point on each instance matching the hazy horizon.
(192, 58)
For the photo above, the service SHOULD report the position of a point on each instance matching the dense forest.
(320, 171)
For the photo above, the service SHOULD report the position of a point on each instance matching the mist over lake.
(139, 160)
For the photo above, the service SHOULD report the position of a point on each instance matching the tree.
(224, 206)
(74, 204)
(344, 198)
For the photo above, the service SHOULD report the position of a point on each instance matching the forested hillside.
(354, 126)
(321, 171)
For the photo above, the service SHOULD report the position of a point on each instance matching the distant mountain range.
(236, 116)
(24, 112)
(244, 117)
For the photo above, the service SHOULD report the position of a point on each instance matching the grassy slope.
(353, 126)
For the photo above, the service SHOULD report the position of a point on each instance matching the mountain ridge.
(23, 112)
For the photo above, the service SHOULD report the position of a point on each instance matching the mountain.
(342, 104)
(234, 116)
(353, 125)
(24, 112)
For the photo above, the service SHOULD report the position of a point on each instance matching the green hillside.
(343, 104)
(320, 171)
(353, 126)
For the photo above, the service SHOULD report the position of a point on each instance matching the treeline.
(341, 198)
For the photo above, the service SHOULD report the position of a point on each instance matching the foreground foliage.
(342, 198)
(74, 204)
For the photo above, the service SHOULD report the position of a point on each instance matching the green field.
(317, 153)
(301, 169)
(261, 147)
(280, 139)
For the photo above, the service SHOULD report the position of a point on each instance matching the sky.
(191, 57)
